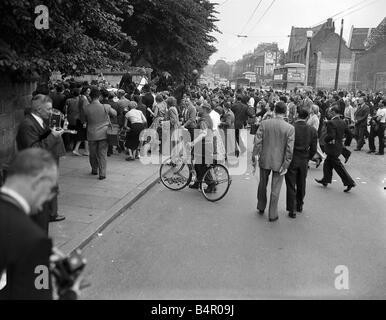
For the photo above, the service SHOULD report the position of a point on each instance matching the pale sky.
(276, 25)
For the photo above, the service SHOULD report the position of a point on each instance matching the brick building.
(261, 61)
(371, 64)
(324, 48)
(356, 43)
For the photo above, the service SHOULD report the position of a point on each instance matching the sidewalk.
(90, 204)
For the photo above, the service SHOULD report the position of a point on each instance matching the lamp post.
(309, 36)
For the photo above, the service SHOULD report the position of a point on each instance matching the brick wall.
(372, 62)
(14, 97)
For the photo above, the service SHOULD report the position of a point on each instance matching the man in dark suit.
(58, 98)
(360, 118)
(148, 101)
(306, 140)
(240, 111)
(25, 249)
(190, 115)
(336, 128)
(31, 181)
(33, 132)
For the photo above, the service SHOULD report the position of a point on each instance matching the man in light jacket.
(97, 118)
(274, 144)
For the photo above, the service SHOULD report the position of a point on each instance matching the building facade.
(371, 64)
(324, 47)
(261, 62)
(356, 43)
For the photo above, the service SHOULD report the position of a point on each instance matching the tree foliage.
(172, 35)
(222, 68)
(82, 35)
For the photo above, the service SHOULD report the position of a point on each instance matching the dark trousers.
(277, 181)
(98, 155)
(360, 132)
(295, 180)
(333, 162)
(381, 138)
(349, 137)
(49, 211)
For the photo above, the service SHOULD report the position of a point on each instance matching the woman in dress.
(172, 116)
(228, 123)
(313, 121)
(74, 111)
(137, 122)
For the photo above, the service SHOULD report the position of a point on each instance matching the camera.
(67, 269)
(56, 119)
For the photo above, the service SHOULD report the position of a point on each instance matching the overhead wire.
(221, 4)
(343, 11)
(357, 9)
(265, 12)
(251, 16)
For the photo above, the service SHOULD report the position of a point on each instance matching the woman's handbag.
(112, 132)
(254, 128)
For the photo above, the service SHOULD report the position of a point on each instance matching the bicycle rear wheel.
(215, 183)
(175, 174)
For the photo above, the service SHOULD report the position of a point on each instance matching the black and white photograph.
(198, 151)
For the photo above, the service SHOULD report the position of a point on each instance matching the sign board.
(278, 77)
(251, 76)
(295, 76)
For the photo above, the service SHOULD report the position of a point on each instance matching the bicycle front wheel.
(175, 174)
(215, 183)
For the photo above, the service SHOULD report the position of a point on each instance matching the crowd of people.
(132, 109)
(290, 129)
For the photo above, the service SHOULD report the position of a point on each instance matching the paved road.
(176, 245)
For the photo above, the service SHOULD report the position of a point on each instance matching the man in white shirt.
(380, 123)
(251, 102)
(215, 119)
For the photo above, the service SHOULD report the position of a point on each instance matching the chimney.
(330, 24)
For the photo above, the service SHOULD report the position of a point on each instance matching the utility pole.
(309, 34)
(338, 63)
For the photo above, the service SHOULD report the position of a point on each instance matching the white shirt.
(382, 113)
(251, 102)
(135, 116)
(18, 198)
(38, 119)
(215, 119)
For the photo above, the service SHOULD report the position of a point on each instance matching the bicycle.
(176, 173)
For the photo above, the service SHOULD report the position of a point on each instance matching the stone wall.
(14, 97)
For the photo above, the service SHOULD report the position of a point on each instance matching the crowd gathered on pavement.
(132, 110)
(210, 114)
(291, 131)
(214, 118)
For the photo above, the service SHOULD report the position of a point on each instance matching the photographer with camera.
(25, 249)
(34, 132)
